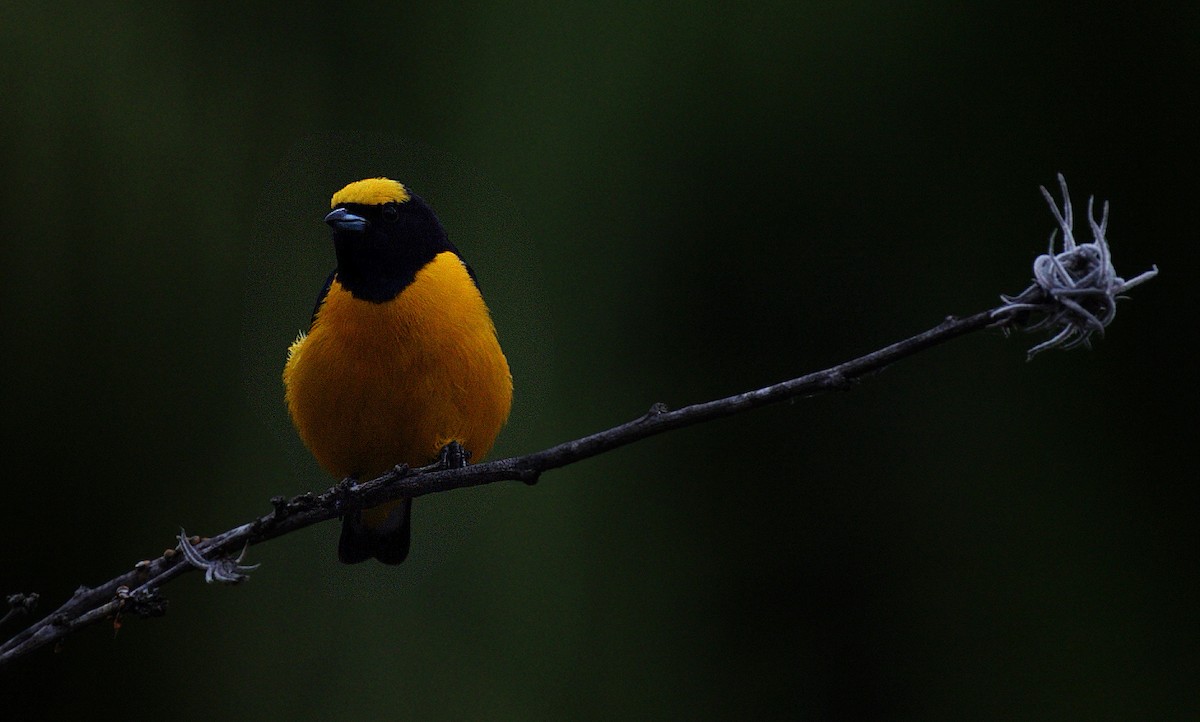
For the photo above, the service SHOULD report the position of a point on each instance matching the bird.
(401, 363)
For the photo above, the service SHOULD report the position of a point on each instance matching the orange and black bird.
(400, 360)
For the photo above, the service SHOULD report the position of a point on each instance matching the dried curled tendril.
(226, 571)
(1074, 293)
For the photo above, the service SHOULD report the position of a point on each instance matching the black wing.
(321, 296)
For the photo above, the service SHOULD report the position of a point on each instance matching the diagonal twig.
(92, 604)
(1074, 294)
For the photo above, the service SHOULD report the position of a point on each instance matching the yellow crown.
(371, 192)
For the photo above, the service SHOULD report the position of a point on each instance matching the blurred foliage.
(665, 202)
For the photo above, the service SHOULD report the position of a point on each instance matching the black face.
(379, 257)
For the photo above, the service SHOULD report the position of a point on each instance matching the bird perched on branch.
(401, 362)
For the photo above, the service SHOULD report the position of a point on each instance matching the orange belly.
(373, 385)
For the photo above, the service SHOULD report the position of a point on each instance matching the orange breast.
(373, 385)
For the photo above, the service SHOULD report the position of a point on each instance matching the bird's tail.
(382, 532)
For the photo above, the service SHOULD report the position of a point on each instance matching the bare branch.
(117, 596)
(1064, 291)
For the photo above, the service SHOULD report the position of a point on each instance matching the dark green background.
(665, 202)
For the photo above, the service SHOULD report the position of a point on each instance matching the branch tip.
(22, 601)
(1074, 291)
(19, 604)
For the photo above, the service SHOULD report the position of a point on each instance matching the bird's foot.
(453, 456)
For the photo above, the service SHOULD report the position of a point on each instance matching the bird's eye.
(390, 212)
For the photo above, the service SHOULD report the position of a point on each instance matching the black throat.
(377, 263)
